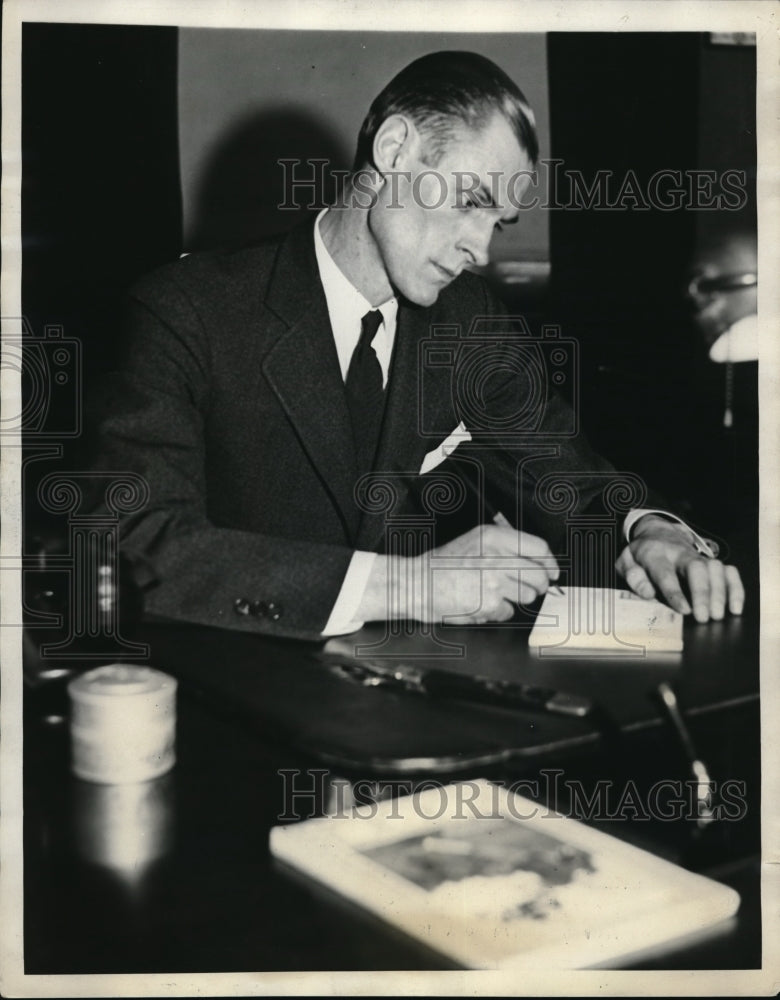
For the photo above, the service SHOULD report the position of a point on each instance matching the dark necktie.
(365, 395)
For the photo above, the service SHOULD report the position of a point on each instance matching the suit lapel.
(302, 369)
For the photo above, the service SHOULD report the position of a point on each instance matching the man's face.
(429, 223)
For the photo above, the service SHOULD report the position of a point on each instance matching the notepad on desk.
(598, 621)
(495, 881)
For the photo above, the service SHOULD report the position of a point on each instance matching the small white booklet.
(598, 621)
(494, 880)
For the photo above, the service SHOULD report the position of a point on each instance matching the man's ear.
(393, 141)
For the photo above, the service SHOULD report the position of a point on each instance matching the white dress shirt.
(346, 308)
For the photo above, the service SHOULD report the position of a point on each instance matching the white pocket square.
(445, 449)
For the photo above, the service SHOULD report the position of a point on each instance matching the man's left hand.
(661, 557)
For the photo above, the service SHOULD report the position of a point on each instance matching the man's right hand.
(480, 576)
(476, 578)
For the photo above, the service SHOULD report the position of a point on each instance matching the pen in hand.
(499, 519)
(502, 522)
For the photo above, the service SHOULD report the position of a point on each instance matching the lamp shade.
(737, 343)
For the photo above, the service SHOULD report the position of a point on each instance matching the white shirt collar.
(347, 307)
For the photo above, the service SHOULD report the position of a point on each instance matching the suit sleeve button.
(274, 611)
(241, 606)
(259, 609)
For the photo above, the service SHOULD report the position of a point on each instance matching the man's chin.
(423, 296)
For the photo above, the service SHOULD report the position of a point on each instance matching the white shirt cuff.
(703, 546)
(342, 619)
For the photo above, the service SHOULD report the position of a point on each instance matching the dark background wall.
(650, 398)
(101, 198)
(141, 141)
(101, 205)
(727, 128)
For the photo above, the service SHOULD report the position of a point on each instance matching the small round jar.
(123, 724)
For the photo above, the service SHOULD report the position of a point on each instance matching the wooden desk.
(177, 877)
(284, 688)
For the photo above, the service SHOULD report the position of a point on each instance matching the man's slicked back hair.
(443, 91)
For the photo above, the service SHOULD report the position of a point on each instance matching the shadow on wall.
(243, 183)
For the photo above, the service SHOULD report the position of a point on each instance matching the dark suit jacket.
(230, 403)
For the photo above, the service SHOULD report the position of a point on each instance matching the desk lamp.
(735, 338)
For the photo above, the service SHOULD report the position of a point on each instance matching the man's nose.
(475, 243)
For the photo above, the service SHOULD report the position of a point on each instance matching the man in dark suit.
(261, 387)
